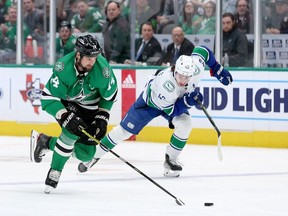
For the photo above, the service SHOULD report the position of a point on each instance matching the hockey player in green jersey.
(65, 42)
(79, 94)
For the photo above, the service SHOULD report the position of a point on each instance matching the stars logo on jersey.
(80, 96)
(169, 86)
(106, 72)
(59, 66)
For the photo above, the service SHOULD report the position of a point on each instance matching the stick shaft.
(141, 173)
(216, 128)
(129, 164)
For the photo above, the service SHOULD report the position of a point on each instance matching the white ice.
(248, 182)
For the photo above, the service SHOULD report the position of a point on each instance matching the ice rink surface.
(248, 182)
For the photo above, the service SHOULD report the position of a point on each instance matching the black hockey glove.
(73, 123)
(171, 125)
(99, 125)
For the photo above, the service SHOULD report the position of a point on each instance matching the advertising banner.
(128, 88)
(257, 100)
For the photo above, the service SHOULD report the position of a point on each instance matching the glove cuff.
(185, 102)
(103, 115)
(216, 70)
(66, 118)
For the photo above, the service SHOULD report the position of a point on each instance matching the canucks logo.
(169, 86)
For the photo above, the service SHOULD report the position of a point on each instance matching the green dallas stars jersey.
(9, 40)
(97, 89)
(92, 22)
(64, 49)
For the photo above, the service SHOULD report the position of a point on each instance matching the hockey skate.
(172, 168)
(85, 166)
(52, 180)
(38, 146)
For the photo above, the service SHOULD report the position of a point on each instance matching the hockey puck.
(208, 204)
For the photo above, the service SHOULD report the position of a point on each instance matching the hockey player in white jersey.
(170, 93)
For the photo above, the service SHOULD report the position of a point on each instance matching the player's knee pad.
(183, 125)
(118, 134)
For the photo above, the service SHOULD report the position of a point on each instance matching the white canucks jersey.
(162, 91)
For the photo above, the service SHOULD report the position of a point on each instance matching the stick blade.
(219, 149)
(179, 202)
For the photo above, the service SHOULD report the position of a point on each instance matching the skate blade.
(48, 189)
(171, 174)
(33, 143)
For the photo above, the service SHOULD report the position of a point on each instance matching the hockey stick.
(178, 201)
(220, 156)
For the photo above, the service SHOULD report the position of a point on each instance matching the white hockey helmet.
(189, 65)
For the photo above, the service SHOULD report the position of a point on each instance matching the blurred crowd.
(112, 20)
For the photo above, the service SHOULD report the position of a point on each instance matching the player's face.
(82, 8)
(12, 15)
(147, 32)
(64, 33)
(112, 11)
(177, 36)
(227, 24)
(88, 62)
(189, 7)
(209, 9)
(182, 80)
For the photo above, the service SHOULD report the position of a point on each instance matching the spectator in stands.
(67, 9)
(8, 30)
(62, 7)
(168, 17)
(124, 8)
(65, 42)
(201, 5)
(276, 19)
(180, 46)
(243, 17)
(116, 34)
(4, 5)
(88, 19)
(268, 9)
(208, 21)
(235, 42)
(60, 15)
(188, 20)
(144, 13)
(147, 48)
(284, 25)
(34, 19)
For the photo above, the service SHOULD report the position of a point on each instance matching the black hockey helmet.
(88, 46)
(65, 24)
